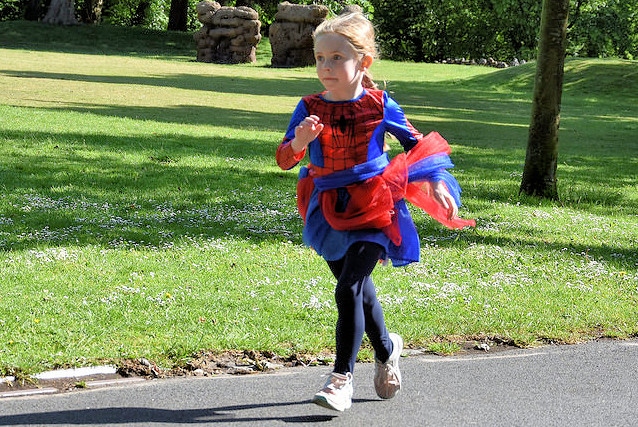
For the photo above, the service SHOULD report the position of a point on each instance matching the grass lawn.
(142, 213)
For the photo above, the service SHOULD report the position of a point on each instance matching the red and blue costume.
(352, 192)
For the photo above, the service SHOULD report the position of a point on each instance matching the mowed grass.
(142, 213)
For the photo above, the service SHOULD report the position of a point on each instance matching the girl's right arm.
(305, 133)
(291, 151)
(286, 157)
(302, 130)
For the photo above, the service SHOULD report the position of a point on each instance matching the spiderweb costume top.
(351, 191)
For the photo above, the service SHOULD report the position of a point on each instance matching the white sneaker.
(387, 376)
(336, 393)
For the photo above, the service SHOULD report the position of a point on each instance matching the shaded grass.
(142, 213)
(96, 40)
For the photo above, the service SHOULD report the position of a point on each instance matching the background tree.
(539, 173)
(600, 28)
(432, 30)
(33, 10)
(178, 15)
(515, 24)
(61, 12)
(90, 11)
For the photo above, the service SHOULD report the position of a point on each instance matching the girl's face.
(340, 67)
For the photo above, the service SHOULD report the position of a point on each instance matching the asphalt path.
(592, 384)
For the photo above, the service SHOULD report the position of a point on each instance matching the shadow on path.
(137, 414)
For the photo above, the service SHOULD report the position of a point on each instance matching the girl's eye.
(336, 57)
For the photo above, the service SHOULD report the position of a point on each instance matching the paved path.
(594, 384)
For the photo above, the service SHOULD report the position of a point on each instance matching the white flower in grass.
(580, 285)
(128, 290)
(315, 303)
(389, 300)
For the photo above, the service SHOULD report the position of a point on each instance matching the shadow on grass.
(92, 189)
(79, 149)
(187, 114)
(523, 239)
(107, 39)
(209, 84)
(486, 118)
(96, 40)
(586, 79)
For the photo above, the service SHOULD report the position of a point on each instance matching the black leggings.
(358, 309)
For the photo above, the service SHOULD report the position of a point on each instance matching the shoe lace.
(337, 383)
(390, 372)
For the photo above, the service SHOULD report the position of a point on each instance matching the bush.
(11, 10)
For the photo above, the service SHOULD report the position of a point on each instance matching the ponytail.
(367, 81)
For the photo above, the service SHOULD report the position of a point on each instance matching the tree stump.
(229, 35)
(291, 34)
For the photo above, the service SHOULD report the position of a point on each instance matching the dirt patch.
(231, 362)
(201, 364)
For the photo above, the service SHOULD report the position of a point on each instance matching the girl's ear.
(366, 61)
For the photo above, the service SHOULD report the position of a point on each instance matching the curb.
(76, 372)
(70, 374)
(31, 392)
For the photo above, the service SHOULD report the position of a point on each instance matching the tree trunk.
(139, 16)
(178, 15)
(61, 12)
(539, 174)
(32, 10)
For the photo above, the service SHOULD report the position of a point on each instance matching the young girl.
(351, 196)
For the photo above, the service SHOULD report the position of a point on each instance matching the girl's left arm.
(398, 125)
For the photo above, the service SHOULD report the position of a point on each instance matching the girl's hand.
(306, 132)
(443, 196)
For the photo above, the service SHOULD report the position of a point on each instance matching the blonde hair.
(359, 32)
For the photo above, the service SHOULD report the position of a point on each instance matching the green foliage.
(11, 10)
(268, 8)
(606, 28)
(152, 14)
(433, 30)
(336, 6)
(517, 24)
(456, 28)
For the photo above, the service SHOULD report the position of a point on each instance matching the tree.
(90, 11)
(539, 173)
(178, 15)
(61, 12)
(33, 9)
